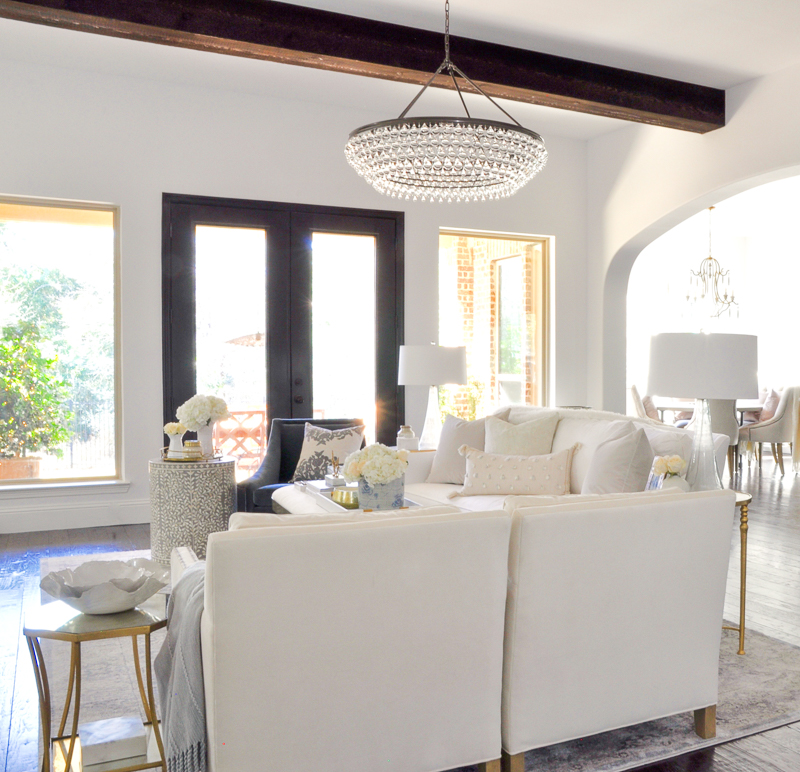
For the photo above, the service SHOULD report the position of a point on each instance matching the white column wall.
(644, 180)
(89, 135)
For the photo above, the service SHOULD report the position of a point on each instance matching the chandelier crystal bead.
(446, 159)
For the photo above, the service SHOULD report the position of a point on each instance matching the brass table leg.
(42, 686)
(743, 574)
(148, 698)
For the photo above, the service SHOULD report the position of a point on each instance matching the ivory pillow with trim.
(448, 466)
(621, 463)
(532, 438)
(319, 443)
(496, 474)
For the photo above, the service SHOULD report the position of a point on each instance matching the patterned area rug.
(758, 691)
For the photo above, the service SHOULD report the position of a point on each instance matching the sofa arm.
(179, 560)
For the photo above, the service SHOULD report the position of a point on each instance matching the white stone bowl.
(107, 586)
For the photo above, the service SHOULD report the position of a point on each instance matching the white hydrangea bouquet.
(202, 410)
(376, 464)
(380, 472)
(173, 429)
(668, 465)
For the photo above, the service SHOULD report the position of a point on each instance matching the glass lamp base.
(701, 472)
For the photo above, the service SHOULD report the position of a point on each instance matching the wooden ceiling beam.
(291, 34)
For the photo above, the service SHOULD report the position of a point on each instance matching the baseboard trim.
(86, 514)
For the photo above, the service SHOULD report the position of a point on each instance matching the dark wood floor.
(773, 598)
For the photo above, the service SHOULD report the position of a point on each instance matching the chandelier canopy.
(446, 159)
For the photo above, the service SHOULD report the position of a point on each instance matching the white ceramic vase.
(206, 436)
(381, 495)
(175, 445)
(675, 481)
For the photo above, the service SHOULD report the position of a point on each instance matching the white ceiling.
(716, 43)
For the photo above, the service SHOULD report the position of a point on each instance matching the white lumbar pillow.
(532, 438)
(621, 463)
(496, 474)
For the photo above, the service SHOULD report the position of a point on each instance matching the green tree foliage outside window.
(32, 412)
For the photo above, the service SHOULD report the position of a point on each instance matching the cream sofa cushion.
(532, 438)
(621, 463)
(448, 466)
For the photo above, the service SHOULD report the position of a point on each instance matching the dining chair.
(775, 430)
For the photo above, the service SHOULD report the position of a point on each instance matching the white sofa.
(377, 640)
(587, 427)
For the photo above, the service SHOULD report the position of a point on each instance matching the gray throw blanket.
(179, 673)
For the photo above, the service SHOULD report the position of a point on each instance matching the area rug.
(757, 691)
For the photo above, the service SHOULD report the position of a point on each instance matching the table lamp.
(703, 366)
(432, 366)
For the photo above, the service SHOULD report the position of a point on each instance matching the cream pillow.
(318, 445)
(448, 466)
(532, 438)
(621, 463)
(491, 473)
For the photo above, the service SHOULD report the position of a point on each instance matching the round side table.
(189, 500)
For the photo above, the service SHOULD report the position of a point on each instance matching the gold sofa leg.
(515, 763)
(705, 722)
(489, 766)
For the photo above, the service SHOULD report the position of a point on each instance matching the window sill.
(85, 488)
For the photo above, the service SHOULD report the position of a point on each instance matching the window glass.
(57, 343)
(492, 299)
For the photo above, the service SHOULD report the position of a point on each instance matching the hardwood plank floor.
(773, 607)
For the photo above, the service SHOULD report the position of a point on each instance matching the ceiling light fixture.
(711, 283)
(446, 159)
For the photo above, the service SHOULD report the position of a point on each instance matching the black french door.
(270, 261)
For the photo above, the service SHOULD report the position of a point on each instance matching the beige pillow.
(448, 466)
(532, 438)
(318, 445)
(621, 463)
(492, 473)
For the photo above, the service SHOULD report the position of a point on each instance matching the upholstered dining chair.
(643, 409)
(775, 430)
(283, 451)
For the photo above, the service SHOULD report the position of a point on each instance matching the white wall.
(644, 180)
(91, 135)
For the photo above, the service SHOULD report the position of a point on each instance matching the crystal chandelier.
(446, 159)
(711, 283)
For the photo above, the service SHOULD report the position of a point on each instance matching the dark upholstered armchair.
(283, 452)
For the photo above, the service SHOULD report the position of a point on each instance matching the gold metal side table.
(742, 501)
(60, 622)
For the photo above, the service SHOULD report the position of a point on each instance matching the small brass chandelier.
(446, 159)
(711, 283)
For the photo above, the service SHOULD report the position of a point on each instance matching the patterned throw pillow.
(318, 445)
(492, 473)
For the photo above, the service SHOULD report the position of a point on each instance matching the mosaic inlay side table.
(189, 500)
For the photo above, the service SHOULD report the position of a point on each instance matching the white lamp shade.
(701, 366)
(432, 365)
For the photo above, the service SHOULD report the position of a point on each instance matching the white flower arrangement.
(175, 429)
(202, 410)
(376, 464)
(668, 465)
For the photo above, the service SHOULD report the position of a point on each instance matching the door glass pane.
(230, 282)
(343, 327)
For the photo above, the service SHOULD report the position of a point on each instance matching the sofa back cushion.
(531, 438)
(621, 463)
(448, 465)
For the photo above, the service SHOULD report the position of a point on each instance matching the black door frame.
(290, 386)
